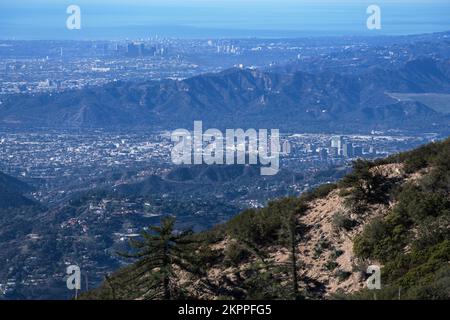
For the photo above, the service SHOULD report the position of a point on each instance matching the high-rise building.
(334, 152)
(311, 147)
(323, 154)
(357, 151)
(338, 142)
(141, 49)
(347, 150)
(151, 51)
(132, 50)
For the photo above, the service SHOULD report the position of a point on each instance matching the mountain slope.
(243, 98)
(394, 213)
(11, 192)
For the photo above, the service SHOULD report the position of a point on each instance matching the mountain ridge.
(245, 97)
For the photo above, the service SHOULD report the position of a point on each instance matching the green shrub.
(206, 256)
(235, 254)
(377, 241)
(331, 265)
(341, 222)
(320, 247)
(255, 226)
(319, 192)
(336, 253)
(262, 226)
(342, 275)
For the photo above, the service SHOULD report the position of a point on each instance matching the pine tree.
(161, 255)
(290, 235)
(279, 223)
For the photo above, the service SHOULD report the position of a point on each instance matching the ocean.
(113, 19)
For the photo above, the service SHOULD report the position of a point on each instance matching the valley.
(86, 165)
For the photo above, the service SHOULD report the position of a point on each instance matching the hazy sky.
(46, 19)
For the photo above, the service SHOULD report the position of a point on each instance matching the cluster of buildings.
(319, 151)
(339, 147)
(140, 49)
(57, 156)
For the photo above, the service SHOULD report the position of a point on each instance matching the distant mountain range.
(248, 98)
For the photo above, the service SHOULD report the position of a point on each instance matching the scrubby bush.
(255, 226)
(336, 253)
(263, 226)
(379, 240)
(342, 275)
(319, 192)
(342, 222)
(331, 265)
(206, 256)
(320, 247)
(235, 254)
(364, 187)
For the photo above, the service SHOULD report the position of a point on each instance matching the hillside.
(11, 192)
(248, 98)
(393, 212)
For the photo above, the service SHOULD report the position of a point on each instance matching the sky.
(121, 19)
